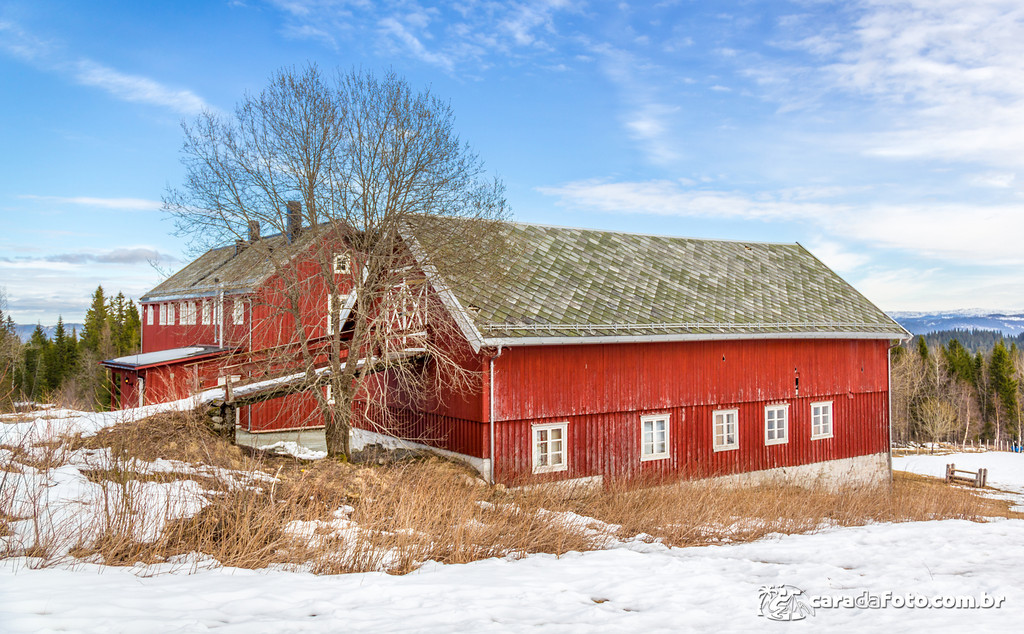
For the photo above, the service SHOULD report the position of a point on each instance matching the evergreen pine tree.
(1003, 386)
(96, 329)
(922, 348)
(32, 378)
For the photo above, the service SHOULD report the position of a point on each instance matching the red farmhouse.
(601, 354)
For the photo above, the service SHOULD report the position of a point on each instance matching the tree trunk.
(337, 427)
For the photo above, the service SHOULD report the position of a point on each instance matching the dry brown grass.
(698, 513)
(173, 436)
(395, 517)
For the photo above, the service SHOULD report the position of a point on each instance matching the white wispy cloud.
(49, 56)
(123, 204)
(948, 75)
(136, 88)
(647, 118)
(449, 36)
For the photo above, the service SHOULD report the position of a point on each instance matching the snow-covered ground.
(632, 585)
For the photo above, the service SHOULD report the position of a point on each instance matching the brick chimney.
(294, 220)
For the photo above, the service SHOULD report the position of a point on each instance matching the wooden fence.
(970, 478)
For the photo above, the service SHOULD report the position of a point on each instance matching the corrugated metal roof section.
(229, 268)
(583, 283)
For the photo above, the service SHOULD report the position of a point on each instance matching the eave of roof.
(164, 357)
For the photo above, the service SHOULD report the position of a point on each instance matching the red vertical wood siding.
(601, 391)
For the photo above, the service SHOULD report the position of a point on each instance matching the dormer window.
(342, 265)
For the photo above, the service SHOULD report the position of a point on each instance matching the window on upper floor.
(726, 429)
(776, 424)
(163, 315)
(238, 312)
(188, 313)
(821, 420)
(654, 437)
(150, 311)
(206, 314)
(342, 264)
(549, 448)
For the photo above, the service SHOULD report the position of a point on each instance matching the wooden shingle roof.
(582, 285)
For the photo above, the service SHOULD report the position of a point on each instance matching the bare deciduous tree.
(390, 202)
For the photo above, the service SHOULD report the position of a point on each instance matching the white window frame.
(772, 424)
(329, 396)
(207, 312)
(719, 439)
(162, 318)
(542, 449)
(647, 448)
(188, 313)
(822, 416)
(238, 312)
(342, 264)
(150, 312)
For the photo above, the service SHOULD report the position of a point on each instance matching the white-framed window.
(342, 265)
(206, 314)
(549, 448)
(654, 437)
(330, 395)
(233, 378)
(188, 313)
(726, 429)
(150, 311)
(776, 424)
(238, 312)
(821, 420)
(163, 315)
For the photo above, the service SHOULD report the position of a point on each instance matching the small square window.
(654, 437)
(549, 449)
(726, 429)
(776, 424)
(821, 420)
(341, 264)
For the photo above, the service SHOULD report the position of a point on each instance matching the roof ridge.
(652, 235)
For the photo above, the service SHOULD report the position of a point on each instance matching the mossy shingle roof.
(568, 283)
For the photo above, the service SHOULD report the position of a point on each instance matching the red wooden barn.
(600, 354)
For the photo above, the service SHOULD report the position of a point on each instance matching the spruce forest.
(64, 369)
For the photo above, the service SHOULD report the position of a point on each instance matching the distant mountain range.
(25, 330)
(1010, 324)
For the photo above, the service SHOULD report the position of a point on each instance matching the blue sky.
(885, 136)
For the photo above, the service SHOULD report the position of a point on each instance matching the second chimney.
(294, 220)
(254, 231)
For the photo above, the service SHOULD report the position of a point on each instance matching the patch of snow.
(634, 587)
(294, 449)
